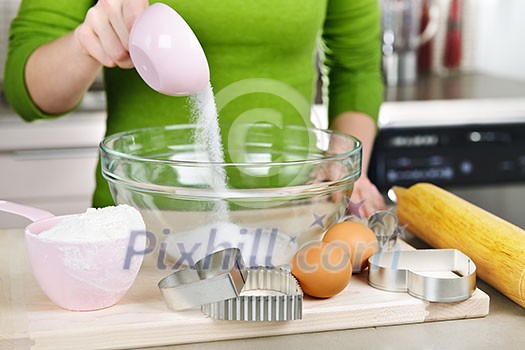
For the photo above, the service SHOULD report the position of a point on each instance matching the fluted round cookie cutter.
(437, 275)
(284, 307)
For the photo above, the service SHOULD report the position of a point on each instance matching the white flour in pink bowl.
(86, 261)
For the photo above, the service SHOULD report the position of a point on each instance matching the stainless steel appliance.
(401, 37)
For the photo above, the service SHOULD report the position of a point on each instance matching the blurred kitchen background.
(454, 113)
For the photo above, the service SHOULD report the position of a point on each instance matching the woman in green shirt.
(58, 47)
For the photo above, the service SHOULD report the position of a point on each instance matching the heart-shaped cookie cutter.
(216, 277)
(437, 275)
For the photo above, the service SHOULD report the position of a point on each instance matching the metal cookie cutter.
(285, 307)
(440, 275)
(218, 276)
(384, 224)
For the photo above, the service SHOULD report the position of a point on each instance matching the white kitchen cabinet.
(49, 164)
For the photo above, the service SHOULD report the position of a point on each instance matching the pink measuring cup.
(166, 52)
(78, 276)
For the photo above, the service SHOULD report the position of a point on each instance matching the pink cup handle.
(31, 213)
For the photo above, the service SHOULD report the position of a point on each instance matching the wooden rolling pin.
(444, 220)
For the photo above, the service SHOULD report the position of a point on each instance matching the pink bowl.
(81, 276)
(166, 52)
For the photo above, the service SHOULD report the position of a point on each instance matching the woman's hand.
(76, 58)
(104, 35)
(366, 198)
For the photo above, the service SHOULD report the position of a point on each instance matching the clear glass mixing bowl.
(284, 187)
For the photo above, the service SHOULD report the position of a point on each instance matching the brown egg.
(323, 269)
(358, 239)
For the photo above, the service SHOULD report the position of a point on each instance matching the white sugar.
(107, 223)
(258, 246)
(208, 138)
(205, 116)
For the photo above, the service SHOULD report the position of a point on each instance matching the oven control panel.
(449, 156)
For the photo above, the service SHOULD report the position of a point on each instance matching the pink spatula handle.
(31, 213)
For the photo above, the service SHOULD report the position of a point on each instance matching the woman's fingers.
(112, 44)
(92, 45)
(365, 197)
(131, 10)
(115, 12)
(366, 193)
(105, 31)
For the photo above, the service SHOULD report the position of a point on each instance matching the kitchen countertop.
(464, 86)
(82, 128)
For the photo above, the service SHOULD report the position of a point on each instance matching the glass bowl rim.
(338, 156)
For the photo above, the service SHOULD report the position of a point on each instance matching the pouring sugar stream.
(175, 65)
(169, 58)
(81, 261)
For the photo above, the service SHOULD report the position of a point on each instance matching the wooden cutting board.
(29, 320)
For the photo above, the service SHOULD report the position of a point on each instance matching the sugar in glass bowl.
(284, 187)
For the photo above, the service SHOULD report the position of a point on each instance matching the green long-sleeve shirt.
(242, 39)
